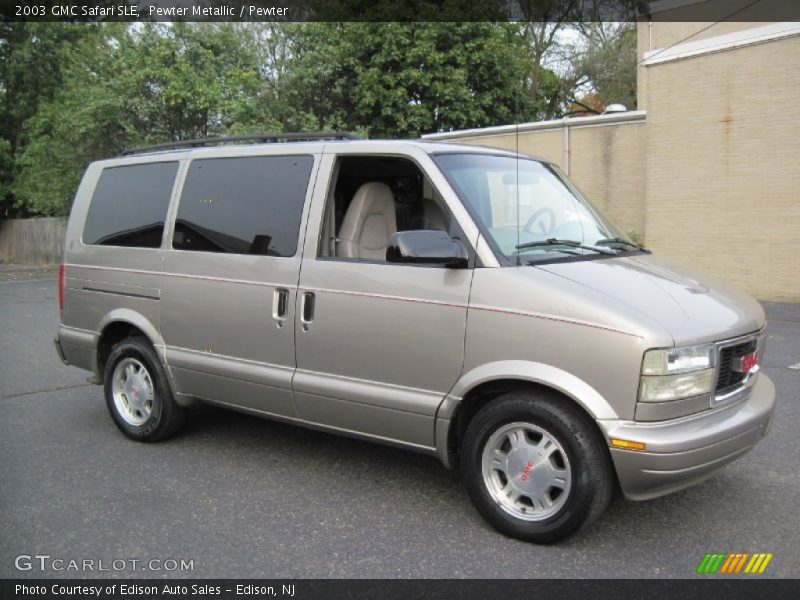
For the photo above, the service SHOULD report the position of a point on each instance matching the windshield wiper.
(555, 242)
(616, 240)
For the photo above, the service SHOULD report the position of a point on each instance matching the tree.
(589, 47)
(32, 64)
(74, 93)
(191, 80)
(543, 21)
(603, 59)
(404, 79)
(608, 61)
(84, 120)
(133, 86)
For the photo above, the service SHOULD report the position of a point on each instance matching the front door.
(379, 345)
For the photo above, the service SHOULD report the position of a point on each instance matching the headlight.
(676, 373)
(662, 388)
(678, 360)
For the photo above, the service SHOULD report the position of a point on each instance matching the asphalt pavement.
(237, 496)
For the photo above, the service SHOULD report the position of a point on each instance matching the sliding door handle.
(280, 304)
(307, 308)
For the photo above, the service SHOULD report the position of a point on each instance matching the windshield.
(522, 201)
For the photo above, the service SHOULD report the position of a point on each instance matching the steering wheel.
(545, 218)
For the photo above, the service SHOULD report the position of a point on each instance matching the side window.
(129, 205)
(249, 205)
(374, 197)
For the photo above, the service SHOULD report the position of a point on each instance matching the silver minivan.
(459, 301)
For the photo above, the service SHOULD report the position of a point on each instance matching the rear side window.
(246, 205)
(129, 205)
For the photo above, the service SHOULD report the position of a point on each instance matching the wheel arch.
(122, 323)
(476, 388)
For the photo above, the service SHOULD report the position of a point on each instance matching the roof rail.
(264, 138)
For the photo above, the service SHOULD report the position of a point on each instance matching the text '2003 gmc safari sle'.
(459, 301)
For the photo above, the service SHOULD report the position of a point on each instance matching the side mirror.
(432, 247)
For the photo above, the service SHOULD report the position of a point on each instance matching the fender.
(126, 315)
(553, 377)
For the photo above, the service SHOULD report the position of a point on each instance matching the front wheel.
(535, 467)
(137, 393)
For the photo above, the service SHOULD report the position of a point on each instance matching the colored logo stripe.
(758, 563)
(723, 562)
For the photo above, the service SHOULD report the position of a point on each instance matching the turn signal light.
(627, 444)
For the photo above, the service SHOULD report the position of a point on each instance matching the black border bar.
(396, 10)
(397, 589)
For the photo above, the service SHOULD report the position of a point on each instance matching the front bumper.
(682, 452)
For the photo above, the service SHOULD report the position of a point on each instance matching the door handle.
(280, 304)
(307, 308)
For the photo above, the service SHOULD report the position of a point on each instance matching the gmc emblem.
(745, 364)
(526, 472)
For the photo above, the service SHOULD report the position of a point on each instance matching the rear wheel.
(535, 466)
(137, 392)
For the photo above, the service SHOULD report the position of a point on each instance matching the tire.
(137, 393)
(535, 466)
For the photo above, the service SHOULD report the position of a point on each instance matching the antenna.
(516, 194)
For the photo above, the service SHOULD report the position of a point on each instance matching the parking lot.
(243, 497)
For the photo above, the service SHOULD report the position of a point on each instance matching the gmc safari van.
(459, 301)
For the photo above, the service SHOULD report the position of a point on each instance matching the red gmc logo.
(745, 363)
(526, 472)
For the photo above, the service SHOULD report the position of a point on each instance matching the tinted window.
(129, 205)
(243, 205)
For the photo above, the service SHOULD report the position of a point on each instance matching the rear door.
(230, 278)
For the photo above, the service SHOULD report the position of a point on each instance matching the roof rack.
(265, 138)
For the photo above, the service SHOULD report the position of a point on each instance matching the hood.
(692, 307)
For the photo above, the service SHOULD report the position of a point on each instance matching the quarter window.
(129, 205)
(249, 205)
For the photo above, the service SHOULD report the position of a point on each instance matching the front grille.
(729, 380)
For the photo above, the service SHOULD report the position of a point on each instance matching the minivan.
(459, 301)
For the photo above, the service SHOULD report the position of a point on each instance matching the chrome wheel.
(133, 392)
(526, 471)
